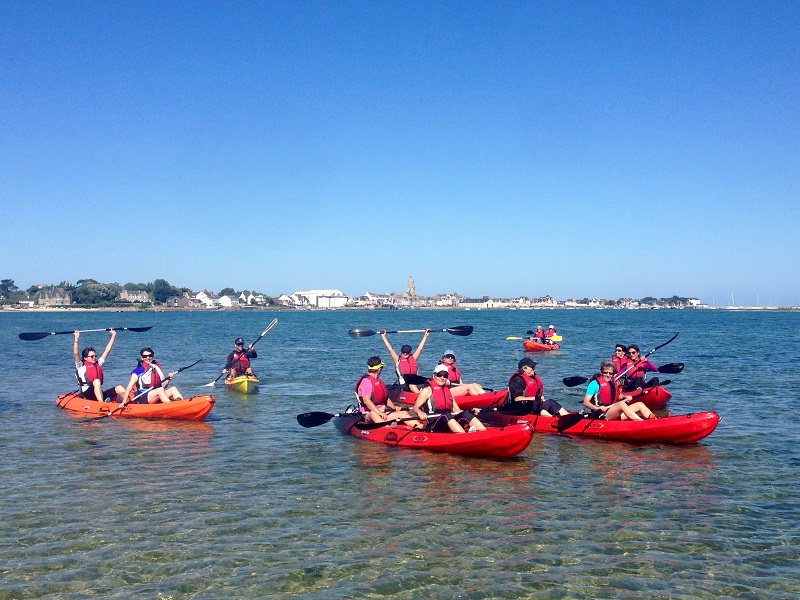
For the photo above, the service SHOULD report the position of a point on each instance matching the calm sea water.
(249, 504)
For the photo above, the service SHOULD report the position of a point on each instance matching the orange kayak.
(192, 409)
(531, 346)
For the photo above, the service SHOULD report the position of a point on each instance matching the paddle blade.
(462, 330)
(573, 381)
(514, 337)
(313, 419)
(567, 421)
(671, 368)
(556, 338)
(138, 329)
(29, 337)
(359, 333)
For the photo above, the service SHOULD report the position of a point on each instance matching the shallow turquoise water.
(249, 504)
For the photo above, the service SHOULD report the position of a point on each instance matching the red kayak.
(653, 397)
(495, 442)
(532, 346)
(682, 429)
(464, 402)
(191, 409)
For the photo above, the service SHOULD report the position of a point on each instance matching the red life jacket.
(534, 388)
(621, 363)
(241, 359)
(407, 365)
(380, 393)
(93, 371)
(453, 374)
(638, 370)
(441, 396)
(550, 333)
(609, 391)
(156, 376)
(539, 335)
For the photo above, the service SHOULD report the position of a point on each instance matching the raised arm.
(109, 345)
(75, 352)
(424, 339)
(393, 354)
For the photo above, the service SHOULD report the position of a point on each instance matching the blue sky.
(586, 149)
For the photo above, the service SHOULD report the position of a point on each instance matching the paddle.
(31, 336)
(671, 367)
(514, 337)
(314, 419)
(462, 330)
(263, 333)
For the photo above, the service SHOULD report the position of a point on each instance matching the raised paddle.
(462, 330)
(39, 335)
(577, 380)
(263, 333)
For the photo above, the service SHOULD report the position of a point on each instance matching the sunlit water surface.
(250, 504)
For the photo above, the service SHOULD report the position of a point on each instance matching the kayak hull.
(531, 346)
(464, 402)
(243, 384)
(681, 429)
(495, 442)
(653, 397)
(190, 409)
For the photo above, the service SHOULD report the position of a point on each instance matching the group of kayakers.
(148, 382)
(544, 336)
(605, 395)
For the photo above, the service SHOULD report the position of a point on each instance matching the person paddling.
(373, 395)
(89, 371)
(437, 397)
(239, 360)
(148, 382)
(525, 385)
(457, 386)
(406, 362)
(634, 373)
(605, 398)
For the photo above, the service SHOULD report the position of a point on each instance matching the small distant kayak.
(243, 384)
(191, 409)
(653, 397)
(682, 429)
(532, 346)
(495, 398)
(495, 442)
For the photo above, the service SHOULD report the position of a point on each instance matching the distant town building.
(54, 297)
(134, 296)
(319, 299)
(410, 291)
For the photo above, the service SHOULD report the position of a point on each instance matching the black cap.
(526, 362)
(238, 341)
(405, 348)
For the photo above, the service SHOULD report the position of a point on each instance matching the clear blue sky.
(600, 149)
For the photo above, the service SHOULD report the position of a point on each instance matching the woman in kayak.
(239, 360)
(526, 386)
(457, 386)
(604, 396)
(89, 370)
(620, 358)
(636, 370)
(437, 398)
(406, 362)
(538, 335)
(148, 383)
(373, 395)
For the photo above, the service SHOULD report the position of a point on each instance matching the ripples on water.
(249, 504)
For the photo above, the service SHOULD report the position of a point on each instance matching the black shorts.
(109, 395)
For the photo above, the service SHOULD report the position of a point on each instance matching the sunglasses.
(449, 356)
(148, 355)
(91, 356)
(440, 374)
(619, 350)
(632, 353)
(609, 373)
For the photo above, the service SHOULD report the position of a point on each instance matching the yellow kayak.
(243, 383)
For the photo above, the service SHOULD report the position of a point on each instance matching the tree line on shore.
(89, 292)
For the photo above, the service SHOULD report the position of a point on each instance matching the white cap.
(440, 368)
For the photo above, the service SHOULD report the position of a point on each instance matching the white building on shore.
(319, 299)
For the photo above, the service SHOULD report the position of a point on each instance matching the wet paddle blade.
(567, 421)
(573, 381)
(462, 330)
(30, 336)
(359, 333)
(671, 368)
(313, 419)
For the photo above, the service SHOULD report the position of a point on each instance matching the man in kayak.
(525, 385)
(147, 382)
(437, 398)
(634, 373)
(89, 371)
(239, 360)
(373, 395)
(406, 362)
(551, 331)
(457, 386)
(605, 398)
